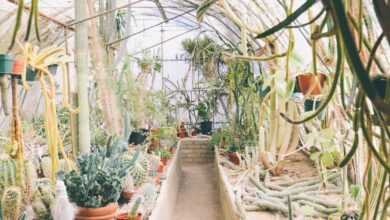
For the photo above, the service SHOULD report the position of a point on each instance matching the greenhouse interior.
(195, 110)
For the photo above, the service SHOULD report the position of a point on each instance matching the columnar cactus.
(7, 172)
(11, 203)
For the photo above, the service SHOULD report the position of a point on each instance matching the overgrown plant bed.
(259, 195)
(145, 196)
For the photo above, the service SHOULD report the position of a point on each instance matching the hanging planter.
(310, 84)
(6, 64)
(53, 69)
(206, 127)
(103, 213)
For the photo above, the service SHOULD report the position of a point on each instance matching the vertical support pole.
(81, 45)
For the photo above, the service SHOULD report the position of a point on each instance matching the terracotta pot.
(127, 195)
(18, 67)
(103, 213)
(311, 84)
(233, 157)
(123, 216)
(160, 168)
(164, 160)
(157, 179)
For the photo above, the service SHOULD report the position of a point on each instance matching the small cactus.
(135, 207)
(43, 198)
(139, 170)
(11, 203)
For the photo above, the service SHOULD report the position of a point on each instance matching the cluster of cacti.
(139, 170)
(11, 203)
(43, 199)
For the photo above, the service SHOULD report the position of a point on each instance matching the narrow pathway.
(197, 197)
(198, 193)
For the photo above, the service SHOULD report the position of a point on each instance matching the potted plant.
(164, 156)
(181, 131)
(96, 187)
(233, 154)
(6, 62)
(311, 84)
(204, 114)
(133, 214)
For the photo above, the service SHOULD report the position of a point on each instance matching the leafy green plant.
(203, 111)
(219, 136)
(232, 148)
(164, 153)
(99, 180)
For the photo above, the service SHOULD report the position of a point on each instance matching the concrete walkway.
(198, 194)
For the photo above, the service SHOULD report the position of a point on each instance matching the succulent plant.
(11, 203)
(99, 180)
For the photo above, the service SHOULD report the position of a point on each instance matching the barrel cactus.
(11, 203)
(139, 170)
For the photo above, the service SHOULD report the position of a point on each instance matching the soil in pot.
(6, 64)
(310, 84)
(206, 127)
(102, 213)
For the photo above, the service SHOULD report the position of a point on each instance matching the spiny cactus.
(30, 177)
(11, 203)
(43, 198)
(128, 184)
(63, 166)
(7, 172)
(149, 193)
(154, 163)
(135, 207)
(139, 170)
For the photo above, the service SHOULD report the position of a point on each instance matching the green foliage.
(233, 148)
(203, 111)
(99, 179)
(164, 153)
(11, 203)
(219, 135)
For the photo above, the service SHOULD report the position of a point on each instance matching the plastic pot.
(310, 84)
(102, 213)
(311, 105)
(206, 127)
(380, 85)
(6, 64)
(136, 138)
(53, 69)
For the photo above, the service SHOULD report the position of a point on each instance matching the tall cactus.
(7, 172)
(11, 203)
(43, 199)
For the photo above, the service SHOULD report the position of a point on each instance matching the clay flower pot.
(124, 216)
(18, 67)
(128, 195)
(164, 160)
(233, 157)
(102, 213)
(311, 84)
(160, 168)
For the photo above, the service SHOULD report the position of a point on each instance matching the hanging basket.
(310, 84)
(6, 64)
